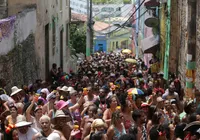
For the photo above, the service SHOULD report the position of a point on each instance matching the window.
(54, 36)
(61, 5)
(113, 44)
(118, 9)
(117, 44)
(66, 2)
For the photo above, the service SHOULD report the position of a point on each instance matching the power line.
(119, 13)
(127, 20)
(121, 26)
(122, 19)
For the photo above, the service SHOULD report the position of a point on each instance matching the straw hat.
(21, 121)
(70, 89)
(64, 88)
(15, 90)
(72, 92)
(59, 114)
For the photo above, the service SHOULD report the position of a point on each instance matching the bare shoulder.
(87, 137)
(111, 128)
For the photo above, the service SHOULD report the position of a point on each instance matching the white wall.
(24, 25)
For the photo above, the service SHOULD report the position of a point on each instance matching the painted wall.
(122, 37)
(47, 11)
(100, 45)
(143, 32)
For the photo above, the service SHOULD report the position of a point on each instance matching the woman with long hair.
(127, 108)
(37, 114)
(12, 118)
(111, 107)
(117, 129)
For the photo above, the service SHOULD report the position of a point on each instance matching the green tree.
(78, 38)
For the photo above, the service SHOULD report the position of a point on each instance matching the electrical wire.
(119, 13)
(121, 20)
(121, 26)
(126, 20)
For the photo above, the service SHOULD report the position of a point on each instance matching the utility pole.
(91, 28)
(89, 35)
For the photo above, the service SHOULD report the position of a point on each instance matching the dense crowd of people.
(108, 98)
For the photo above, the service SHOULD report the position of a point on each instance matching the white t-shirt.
(54, 136)
(29, 135)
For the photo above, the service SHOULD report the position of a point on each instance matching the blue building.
(100, 43)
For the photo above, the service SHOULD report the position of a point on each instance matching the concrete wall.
(47, 10)
(16, 6)
(197, 82)
(182, 8)
(174, 37)
(3, 9)
(18, 63)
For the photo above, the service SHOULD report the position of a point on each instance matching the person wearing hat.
(37, 115)
(25, 131)
(64, 92)
(60, 124)
(4, 107)
(72, 101)
(15, 95)
(51, 98)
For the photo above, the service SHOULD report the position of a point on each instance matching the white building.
(101, 10)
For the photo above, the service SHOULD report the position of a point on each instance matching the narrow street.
(99, 70)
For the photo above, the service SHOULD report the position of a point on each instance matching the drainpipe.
(191, 54)
(167, 47)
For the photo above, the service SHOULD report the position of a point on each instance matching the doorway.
(47, 52)
(61, 48)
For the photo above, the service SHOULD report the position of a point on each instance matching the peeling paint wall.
(18, 64)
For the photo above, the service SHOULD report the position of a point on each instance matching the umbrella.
(127, 51)
(192, 127)
(135, 91)
(131, 60)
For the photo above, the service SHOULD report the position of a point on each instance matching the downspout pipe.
(167, 48)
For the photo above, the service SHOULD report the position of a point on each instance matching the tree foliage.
(78, 38)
